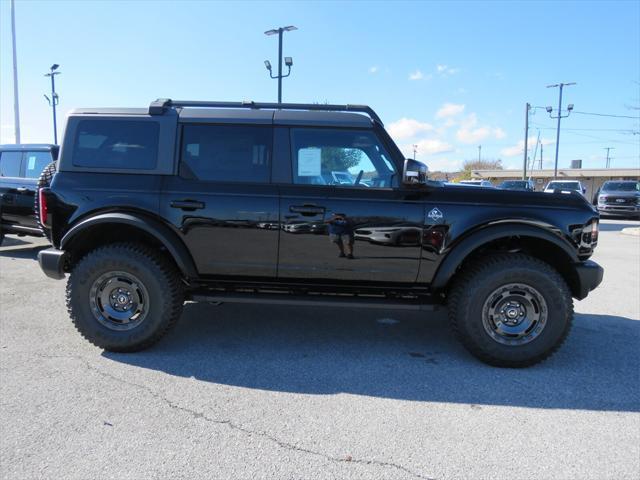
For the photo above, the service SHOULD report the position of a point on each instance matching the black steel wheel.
(514, 314)
(510, 310)
(124, 297)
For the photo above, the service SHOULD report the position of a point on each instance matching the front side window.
(10, 164)
(229, 153)
(35, 163)
(346, 158)
(116, 144)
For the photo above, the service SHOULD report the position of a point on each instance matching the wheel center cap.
(512, 312)
(122, 299)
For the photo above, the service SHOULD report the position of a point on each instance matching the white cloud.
(428, 146)
(518, 149)
(374, 69)
(407, 128)
(469, 133)
(449, 110)
(417, 75)
(446, 70)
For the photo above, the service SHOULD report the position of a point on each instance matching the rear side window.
(35, 162)
(116, 144)
(231, 153)
(10, 164)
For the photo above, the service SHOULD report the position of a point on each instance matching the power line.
(608, 115)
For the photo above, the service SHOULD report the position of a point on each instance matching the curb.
(635, 231)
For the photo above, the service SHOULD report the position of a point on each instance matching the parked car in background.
(565, 185)
(20, 169)
(477, 183)
(527, 185)
(620, 198)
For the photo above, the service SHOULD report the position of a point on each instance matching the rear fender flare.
(154, 227)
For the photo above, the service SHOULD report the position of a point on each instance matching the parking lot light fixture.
(288, 60)
(559, 117)
(54, 100)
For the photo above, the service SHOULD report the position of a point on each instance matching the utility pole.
(560, 116)
(415, 150)
(288, 60)
(479, 150)
(608, 164)
(53, 101)
(16, 105)
(526, 140)
(541, 148)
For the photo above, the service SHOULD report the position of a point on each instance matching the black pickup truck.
(300, 204)
(20, 169)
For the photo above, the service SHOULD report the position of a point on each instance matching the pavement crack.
(196, 415)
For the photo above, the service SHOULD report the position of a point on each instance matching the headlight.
(602, 198)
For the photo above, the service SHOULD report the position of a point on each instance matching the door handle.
(187, 204)
(307, 210)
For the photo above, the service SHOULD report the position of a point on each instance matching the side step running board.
(316, 300)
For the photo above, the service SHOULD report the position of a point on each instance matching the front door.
(344, 217)
(222, 202)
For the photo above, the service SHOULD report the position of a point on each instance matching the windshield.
(621, 187)
(564, 186)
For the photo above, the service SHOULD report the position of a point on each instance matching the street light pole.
(53, 101)
(16, 103)
(559, 117)
(288, 60)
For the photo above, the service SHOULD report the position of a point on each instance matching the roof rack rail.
(158, 106)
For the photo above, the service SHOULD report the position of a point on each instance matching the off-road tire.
(159, 278)
(475, 284)
(44, 181)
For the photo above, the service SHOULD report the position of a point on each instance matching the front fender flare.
(481, 237)
(154, 227)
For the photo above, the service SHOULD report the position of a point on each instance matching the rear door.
(343, 202)
(222, 201)
(19, 173)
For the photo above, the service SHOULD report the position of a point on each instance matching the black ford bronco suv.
(299, 204)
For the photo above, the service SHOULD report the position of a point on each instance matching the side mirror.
(415, 173)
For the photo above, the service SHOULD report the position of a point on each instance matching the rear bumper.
(589, 277)
(51, 262)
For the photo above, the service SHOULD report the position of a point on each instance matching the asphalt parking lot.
(283, 392)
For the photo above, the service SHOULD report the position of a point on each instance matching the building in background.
(591, 178)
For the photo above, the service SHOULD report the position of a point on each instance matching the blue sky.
(447, 76)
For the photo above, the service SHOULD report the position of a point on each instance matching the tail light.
(42, 210)
(590, 234)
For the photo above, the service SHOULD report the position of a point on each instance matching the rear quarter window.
(116, 144)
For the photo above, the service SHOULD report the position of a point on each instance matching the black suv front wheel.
(124, 297)
(510, 310)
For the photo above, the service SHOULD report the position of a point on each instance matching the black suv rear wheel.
(124, 297)
(510, 310)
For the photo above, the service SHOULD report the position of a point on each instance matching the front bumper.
(622, 210)
(51, 262)
(589, 277)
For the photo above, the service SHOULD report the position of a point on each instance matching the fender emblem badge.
(435, 215)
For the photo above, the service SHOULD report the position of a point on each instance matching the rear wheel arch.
(511, 238)
(100, 229)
